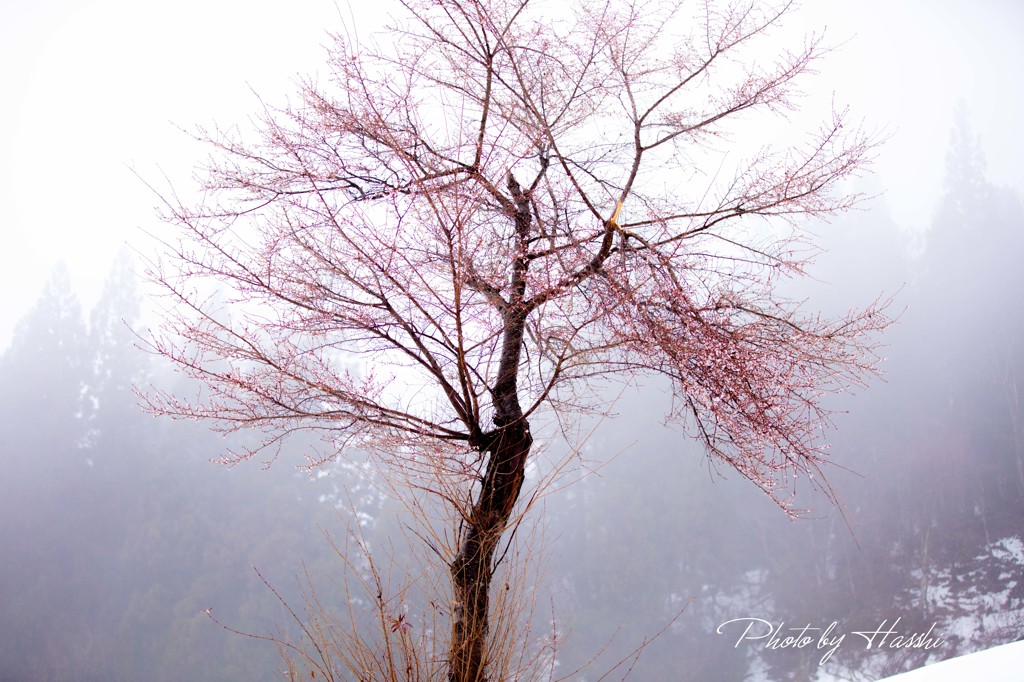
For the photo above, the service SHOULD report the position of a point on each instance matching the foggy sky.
(95, 90)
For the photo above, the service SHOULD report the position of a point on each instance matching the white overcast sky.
(92, 89)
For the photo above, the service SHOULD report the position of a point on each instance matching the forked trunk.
(506, 449)
(472, 569)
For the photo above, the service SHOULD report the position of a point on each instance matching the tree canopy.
(477, 224)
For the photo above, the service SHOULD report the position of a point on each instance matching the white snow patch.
(1000, 664)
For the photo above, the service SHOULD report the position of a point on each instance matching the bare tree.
(469, 227)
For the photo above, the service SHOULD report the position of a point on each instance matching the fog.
(117, 532)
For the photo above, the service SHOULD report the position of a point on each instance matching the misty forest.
(139, 547)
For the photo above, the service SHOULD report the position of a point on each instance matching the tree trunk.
(472, 570)
(507, 448)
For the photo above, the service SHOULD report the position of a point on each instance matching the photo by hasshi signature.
(827, 639)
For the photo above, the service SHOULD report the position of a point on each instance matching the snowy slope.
(1002, 664)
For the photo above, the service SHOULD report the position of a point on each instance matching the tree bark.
(507, 448)
(472, 570)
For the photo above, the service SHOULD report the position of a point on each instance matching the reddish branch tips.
(499, 166)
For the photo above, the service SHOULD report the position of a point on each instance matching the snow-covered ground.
(1001, 664)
